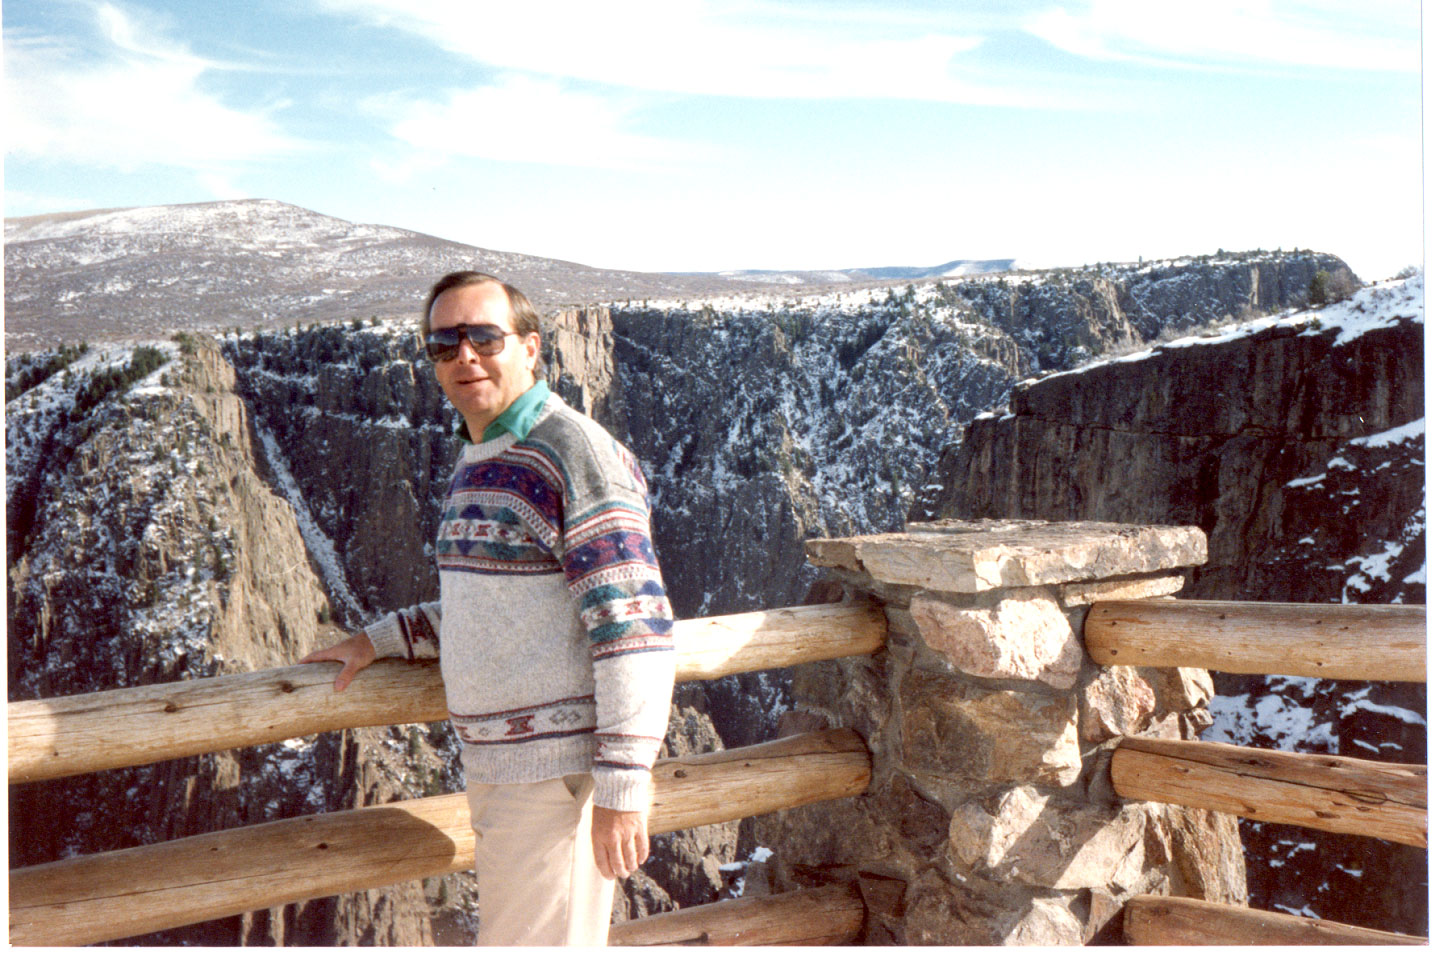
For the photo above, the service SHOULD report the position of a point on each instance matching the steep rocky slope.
(1297, 444)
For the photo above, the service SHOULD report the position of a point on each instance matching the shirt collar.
(518, 418)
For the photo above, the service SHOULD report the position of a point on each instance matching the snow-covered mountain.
(144, 271)
(137, 272)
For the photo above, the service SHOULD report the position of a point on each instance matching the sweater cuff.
(622, 789)
(386, 638)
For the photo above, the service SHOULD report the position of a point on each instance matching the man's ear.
(532, 349)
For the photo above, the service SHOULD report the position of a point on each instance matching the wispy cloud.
(134, 102)
(708, 48)
(220, 186)
(1366, 35)
(522, 119)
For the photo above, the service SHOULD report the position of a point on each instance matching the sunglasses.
(486, 339)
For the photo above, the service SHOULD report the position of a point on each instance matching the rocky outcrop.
(359, 429)
(1298, 447)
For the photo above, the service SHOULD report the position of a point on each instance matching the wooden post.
(1339, 641)
(824, 916)
(120, 728)
(1335, 794)
(129, 892)
(1178, 921)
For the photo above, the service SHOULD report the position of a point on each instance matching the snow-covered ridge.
(239, 221)
(1380, 305)
(34, 416)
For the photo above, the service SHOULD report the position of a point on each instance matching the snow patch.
(1359, 702)
(1413, 430)
(1306, 481)
(321, 547)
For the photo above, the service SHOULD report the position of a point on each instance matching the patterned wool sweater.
(553, 628)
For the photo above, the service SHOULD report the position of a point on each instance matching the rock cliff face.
(1297, 445)
(1067, 317)
(1265, 440)
(172, 531)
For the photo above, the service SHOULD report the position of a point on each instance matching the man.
(553, 629)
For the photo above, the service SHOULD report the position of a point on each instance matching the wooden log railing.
(129, 892)
(119, 728)
(1335, 794)
(1178, 921)
(818, 917)
(125, 893)
(1336, 641)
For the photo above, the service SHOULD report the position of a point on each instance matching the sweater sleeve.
(611, 570)
(412, 633)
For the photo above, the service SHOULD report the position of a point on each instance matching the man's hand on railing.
(355, 654)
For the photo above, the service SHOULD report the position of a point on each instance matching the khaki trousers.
(535, 866)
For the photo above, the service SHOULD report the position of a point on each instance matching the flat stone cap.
(970, 556)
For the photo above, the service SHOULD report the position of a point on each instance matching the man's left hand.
(621, 841)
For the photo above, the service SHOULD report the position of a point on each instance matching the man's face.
(482, 387)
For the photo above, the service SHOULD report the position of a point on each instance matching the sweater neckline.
(475, 452)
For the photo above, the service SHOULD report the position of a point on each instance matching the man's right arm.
(412, 633)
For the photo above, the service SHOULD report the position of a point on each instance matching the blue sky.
(697, 135)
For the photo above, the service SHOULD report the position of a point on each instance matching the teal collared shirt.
(518, 418)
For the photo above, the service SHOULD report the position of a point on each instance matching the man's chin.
(478, 399)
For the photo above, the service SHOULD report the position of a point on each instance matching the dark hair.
(522, 314)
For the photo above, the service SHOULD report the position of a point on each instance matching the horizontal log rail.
(1337, 641)
(1336, 794)
(125, 893)
(1153, 921)
(120, 728)
(824, 916)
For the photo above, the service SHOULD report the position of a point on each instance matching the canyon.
(274, 481)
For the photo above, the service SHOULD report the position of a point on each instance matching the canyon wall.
(1299, 448)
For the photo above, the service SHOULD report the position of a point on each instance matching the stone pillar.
(990, 818)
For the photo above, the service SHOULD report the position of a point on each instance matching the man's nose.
(467, 352)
